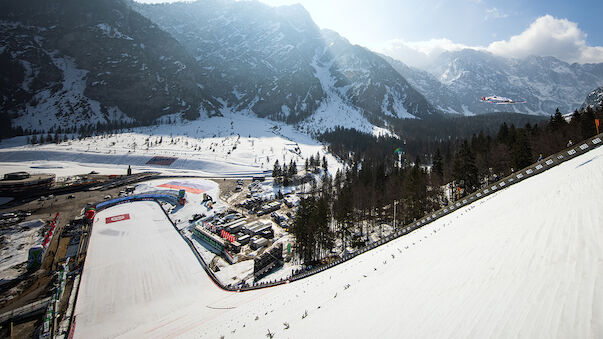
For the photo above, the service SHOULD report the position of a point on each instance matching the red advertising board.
(227, 236)
(117, 218)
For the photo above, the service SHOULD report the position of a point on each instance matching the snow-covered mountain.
(438, 93)
(277, 63)
(456, 81)
(76, 63)
(69, 63)
(594, 99)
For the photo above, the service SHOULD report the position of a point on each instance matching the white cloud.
(549, 36)
(495, 13)
(420, 53)
(546, 36)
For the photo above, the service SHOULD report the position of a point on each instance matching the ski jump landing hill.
(524, 261)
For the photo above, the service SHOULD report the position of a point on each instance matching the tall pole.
(394, 214)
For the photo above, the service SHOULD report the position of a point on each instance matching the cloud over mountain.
(549, 36)
(546, 36)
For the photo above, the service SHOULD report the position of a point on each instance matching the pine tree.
(415, 193)
(465, 169)
(285, 175)
(276, 171)
(343, 213)
(521, 152)
(503, 133)
(437, 167)
(557, 121)
(587, 123)
(303, 230)
(292, 169)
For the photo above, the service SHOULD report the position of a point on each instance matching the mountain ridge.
(457, 79)
(83, 63)
(361, 77)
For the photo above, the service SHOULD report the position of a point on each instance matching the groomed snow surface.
(525, 262)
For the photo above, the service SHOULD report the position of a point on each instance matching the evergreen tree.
(437, 167)
(415, 189)
(343, 213)
(292, 170)
(465, 169)
(503, 133)
(285, 175)
(337, 181)
(587, 123)
(321, 217)
(512, 135)
(521, 152)
(557, 121)
(276, 171)
(311, 229)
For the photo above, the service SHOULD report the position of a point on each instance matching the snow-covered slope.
(234, 144)
(456, 81)
(510, 265)
(594, 99)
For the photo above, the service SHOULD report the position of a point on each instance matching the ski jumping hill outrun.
(526, 261)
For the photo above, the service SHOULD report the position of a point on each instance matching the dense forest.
(346, 204)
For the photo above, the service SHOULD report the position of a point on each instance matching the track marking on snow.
(221, 308)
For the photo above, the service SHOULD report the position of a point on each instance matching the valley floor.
(231, 146)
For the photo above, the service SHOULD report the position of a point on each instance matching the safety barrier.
(171, 198)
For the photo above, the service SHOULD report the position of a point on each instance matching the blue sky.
(415, 31)
(464, 21)
(401, 28)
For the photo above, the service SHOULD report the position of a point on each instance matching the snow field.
(233, 145)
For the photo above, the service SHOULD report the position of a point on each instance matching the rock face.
(278, 64)
(594, 99)
(456, 81)
(74, 62)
